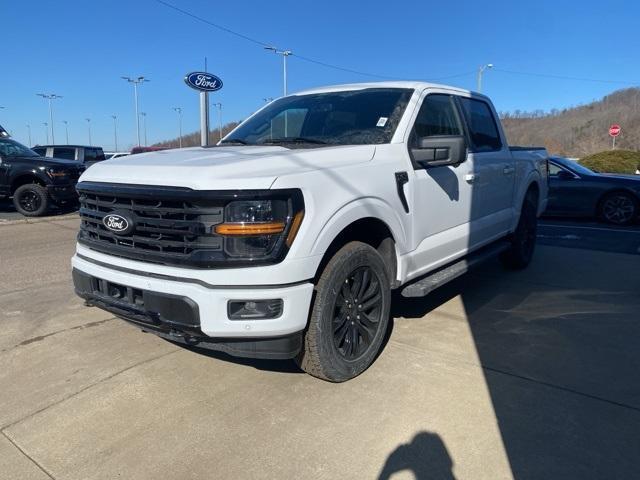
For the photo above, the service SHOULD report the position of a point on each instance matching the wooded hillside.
(579, 131)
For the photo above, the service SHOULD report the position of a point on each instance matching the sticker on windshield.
(382, 121)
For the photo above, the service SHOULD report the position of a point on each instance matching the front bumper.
(62, 192)
(193, 313)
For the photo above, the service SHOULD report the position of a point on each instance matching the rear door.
(494, 172)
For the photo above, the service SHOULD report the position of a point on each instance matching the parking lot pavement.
(590, 235)
(530, 374)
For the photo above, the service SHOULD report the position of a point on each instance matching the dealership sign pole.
(203, 82)
(614, 131)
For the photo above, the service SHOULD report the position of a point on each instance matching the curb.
(65, 216)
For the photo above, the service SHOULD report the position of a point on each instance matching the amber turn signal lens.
(295, 226)
(244, 229)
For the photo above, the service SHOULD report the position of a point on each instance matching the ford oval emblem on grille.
(118, 223)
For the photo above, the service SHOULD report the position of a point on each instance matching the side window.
(437, 117)
(40, 150)
(64, 152)
(554, 169)
(100, 155)
(90, 155)
(482, 125)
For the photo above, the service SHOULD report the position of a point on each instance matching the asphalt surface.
(527, 375)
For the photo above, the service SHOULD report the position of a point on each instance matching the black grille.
(170, 227)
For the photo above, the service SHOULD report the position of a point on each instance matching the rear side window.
(482, 125)
(93, 155)
(64, 152)
(437, 117)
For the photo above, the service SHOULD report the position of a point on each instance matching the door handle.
(471, 177)
(508, 170)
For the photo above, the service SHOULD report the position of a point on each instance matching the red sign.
(614, 130)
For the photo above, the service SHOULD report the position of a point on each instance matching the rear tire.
(345, 332)
(31, 200)
(618, 208)
(523, 240)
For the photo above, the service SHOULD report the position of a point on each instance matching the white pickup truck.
(286, 239)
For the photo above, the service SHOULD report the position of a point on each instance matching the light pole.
(89, 128)
(178, 110)
(136, 81)
(66, 129)
(480, 72)
(219, 105)
(144, 126)
(115, 131)
(285, 54)
(50, 97)
(29, 132)
(46, 130)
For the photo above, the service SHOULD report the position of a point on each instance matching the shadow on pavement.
(426, 457)
(558, 344)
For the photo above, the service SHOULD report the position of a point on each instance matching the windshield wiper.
(234, 140)
(294, 140)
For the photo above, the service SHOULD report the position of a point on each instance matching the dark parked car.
(576, 191)
(33, 181)
(80, 153)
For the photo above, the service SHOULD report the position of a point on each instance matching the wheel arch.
(25, 179)
(370, 230)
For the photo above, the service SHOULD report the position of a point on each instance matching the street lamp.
(115, 131)
(136, 82)
(480, 72)
(46, 131)
(29, 131)
(144, 126)
(66, 129)
(178, 110)
(50, 97)
(219, 105)
(285, 54)
(89, 127)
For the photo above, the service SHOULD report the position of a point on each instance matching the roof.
(391, 84)
(68, 146)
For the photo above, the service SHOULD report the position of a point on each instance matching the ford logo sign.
(118, 223)
(205, 82)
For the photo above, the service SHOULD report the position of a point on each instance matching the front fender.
(369, 207)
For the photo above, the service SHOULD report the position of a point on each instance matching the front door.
(442, 195)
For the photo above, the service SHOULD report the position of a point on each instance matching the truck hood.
(224, 168)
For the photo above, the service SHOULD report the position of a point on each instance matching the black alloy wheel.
(356, 313)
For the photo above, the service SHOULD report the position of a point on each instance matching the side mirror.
(440, 150)
(564, 175)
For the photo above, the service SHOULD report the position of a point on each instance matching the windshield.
(11, 148)
(358, 117)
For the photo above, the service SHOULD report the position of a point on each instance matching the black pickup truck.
(33, 181)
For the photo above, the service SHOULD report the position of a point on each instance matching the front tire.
(523, 240)
(350, 315)
(31, 200)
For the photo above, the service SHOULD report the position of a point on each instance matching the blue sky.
(80, 49)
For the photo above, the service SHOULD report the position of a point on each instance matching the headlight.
(260, 229)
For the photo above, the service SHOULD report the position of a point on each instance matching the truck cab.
(286, 239)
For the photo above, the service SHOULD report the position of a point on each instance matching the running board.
(436, 279)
